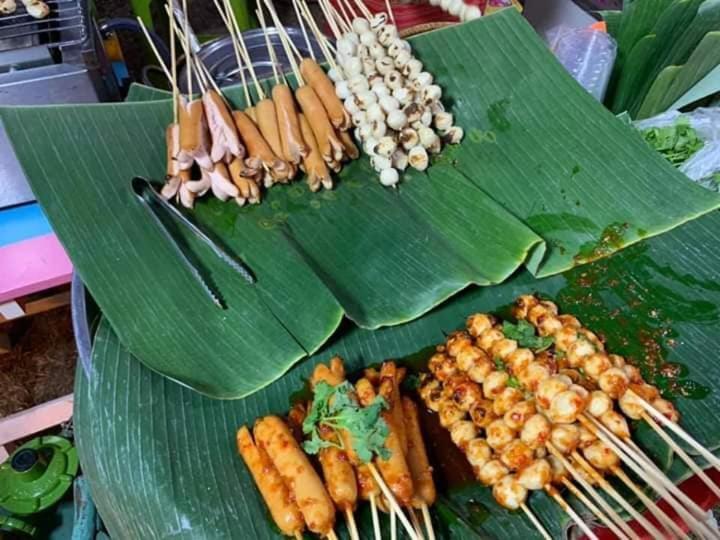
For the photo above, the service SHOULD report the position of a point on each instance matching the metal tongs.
(152, 201)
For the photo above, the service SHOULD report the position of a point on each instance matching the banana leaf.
(677, 32)
(545, 177)
(674, 81)
(709, 85)
(161, 459)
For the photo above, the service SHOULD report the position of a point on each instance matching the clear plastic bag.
(704, 166)
(587, 54)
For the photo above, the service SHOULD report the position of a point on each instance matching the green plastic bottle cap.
(37, 475)
(17, 526)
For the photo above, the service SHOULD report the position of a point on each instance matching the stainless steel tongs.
(152, 201)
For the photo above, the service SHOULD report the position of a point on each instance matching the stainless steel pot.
(219, 57)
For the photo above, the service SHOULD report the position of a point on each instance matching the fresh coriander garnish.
(513, 383)
(499, 364)
(336, 408)
(524, 333)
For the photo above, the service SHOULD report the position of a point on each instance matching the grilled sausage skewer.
(337, 469)
(277, 497)
(316, 506)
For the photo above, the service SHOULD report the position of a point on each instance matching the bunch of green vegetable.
(668, 55)
(337, 408)
(677, 143)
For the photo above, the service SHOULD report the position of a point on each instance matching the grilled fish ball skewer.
(275, 493)
(274, 436)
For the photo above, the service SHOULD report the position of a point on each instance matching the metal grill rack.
(65, 25)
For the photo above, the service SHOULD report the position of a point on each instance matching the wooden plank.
(36, 303)
(49, 302)
(35, 419)
(5, 344)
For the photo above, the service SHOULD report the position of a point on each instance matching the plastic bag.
(703, 167)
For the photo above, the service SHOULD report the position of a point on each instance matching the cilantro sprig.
(336, 408)
(524, 333)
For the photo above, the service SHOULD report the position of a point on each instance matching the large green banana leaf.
(675, 81)
(655, 39)
(161, 459)
(546, 176)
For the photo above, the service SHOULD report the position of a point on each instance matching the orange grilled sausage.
(258, 147)
(351, 150)
(293, 146)
(275, 493)
(252, 113)
(336, 466)
(315, 167)
(389, 372)
(394, 470)
(274, 436)
(172, 144)
(249, 190)
(267, 122)
(329, 145)
(417, 458)
(194, 136)
(325, 89)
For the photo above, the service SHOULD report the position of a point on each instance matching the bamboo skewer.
(287, 43)
(393, 524)
(298, 535)
(610, 524)
(271, 50)
(155, 51)
(345, 26)
(683, 455)
(311, 52)
(346, 17)
(654, 509)
(570, 511)
(352, 526)
(322, 40)
(187, 49)
(536, 522)
(332, 536)
(390, 11)
(244, 52)
(427, 519)
(392, 501)
(236, 50)
(656, 479)
(364, 9)
(416, 523)
(680, 432)
(375, 517)
(605, 485)
(330, 20)
(173, 67)
(593, 492)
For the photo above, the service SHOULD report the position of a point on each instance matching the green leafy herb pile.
(524, 333)
(337, 408)
(677, 143)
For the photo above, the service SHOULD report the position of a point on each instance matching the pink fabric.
(32, 265)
